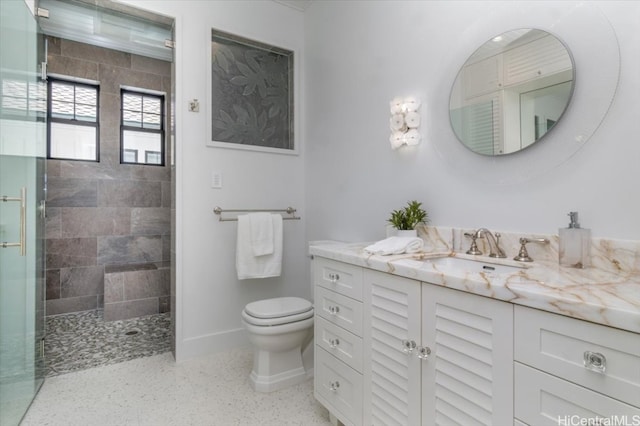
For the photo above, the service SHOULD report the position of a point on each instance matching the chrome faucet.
(494, 242)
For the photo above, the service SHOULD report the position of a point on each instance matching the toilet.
(279, 329)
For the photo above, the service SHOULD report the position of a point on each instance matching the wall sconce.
(404, 122)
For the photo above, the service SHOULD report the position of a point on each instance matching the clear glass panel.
(132, 110)
(86, 113)
(72, 142)
(151, 105)
(86, 96)
(153, 157)
(21, 98)
(131, 118)
(130, 156)
(151, 121)
(22, 152)
(137, 144)
(70, 101)
(60, 109)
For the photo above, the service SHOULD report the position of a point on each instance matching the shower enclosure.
(22, 185)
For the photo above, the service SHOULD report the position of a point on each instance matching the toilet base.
(275, 371)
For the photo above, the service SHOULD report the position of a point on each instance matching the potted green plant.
(407, 218)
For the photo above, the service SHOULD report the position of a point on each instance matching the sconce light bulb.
(397, 122)
(412, 119)
(412, 137)
(396, 105)
(396, 139)
(411, 104)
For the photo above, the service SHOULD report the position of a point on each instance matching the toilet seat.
(277, 311)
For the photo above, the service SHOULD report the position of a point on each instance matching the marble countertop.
(601, 296)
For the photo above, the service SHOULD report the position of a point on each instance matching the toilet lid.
(278, 307)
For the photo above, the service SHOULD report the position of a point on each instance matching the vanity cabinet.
(391, 350)
(392, 333)
(567, 367)
(338, 330)
(435, 355)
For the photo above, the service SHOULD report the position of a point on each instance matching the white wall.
(360, 55)
(209, 297)
(346, 180)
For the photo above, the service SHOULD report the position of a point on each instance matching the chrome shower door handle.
(22, 244)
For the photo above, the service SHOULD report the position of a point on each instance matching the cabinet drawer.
(337, 276)
(340, 310)
(542, 399)
(558, 345)
(338, 387)
(345, 346)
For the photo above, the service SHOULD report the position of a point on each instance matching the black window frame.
(51, 119)
(160, 131)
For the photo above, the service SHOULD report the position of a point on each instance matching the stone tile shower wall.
(108, 214)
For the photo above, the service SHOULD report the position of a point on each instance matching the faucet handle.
(474, 247)
(523, 255)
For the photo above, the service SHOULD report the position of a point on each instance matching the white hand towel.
(396, 245)
(261, 233)
(250, 266)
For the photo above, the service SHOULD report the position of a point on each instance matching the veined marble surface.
(606, 293)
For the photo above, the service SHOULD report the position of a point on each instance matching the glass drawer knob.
(595, 361)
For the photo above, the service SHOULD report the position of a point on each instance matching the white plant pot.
(406, 233)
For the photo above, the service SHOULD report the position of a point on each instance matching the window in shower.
(142, 128)
(73, 127)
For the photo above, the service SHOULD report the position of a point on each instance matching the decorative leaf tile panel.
(251, 92)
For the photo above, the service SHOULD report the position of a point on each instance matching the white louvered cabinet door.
(468, 377)
(391, 368)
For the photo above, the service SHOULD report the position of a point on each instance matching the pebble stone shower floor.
(83, 340)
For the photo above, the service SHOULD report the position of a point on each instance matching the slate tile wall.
(106, 213)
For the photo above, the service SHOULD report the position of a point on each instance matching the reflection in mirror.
(511, 92)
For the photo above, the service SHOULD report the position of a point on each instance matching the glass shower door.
(22, 154)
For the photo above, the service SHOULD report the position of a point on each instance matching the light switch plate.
(216, 180)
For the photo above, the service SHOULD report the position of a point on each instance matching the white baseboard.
(211, 343)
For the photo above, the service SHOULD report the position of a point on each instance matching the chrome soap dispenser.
(575, 243)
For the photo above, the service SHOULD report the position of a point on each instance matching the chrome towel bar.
(289, 210)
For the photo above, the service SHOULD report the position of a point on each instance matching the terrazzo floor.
(84, 340)
(208, 391)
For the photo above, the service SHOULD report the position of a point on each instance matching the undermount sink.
(469, 265)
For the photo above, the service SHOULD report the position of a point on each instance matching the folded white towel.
(261, 233)
(396, 245)
(250, 266)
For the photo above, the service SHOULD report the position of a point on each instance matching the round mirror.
(511, 92)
